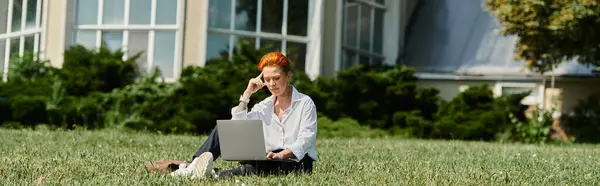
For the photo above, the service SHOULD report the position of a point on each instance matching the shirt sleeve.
(244, 114)
(308, 131)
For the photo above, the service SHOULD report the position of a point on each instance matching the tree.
(551, 31)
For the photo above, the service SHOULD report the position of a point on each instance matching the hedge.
(97, 89)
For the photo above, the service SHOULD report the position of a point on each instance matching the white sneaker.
(202, 166)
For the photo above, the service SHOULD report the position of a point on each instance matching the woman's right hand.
(254, 85)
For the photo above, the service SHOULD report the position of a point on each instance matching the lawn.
(118, 158)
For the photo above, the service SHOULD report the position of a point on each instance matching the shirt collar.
(295, 95)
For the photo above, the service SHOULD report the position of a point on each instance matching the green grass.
(118, 158)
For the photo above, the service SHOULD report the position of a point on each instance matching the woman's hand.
(254, 85)
(283, 155)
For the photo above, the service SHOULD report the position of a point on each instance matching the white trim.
(390, 20)
(150, 54)
(153, 5)
(363, 52)
(23, 23)
(372, 3)
(499, 86)
(37, 32)
(284, 24)
(339, 34)
(315, 32)
(434, 76)
(9, 17)
(542, 96)
(38, 7)
(312, 40)
(391, 40)
(203, 33)
(6, 57)
(38, 24)
(231, 28)
(151, 37)
(36, 42)
(44, 25)
(258, 23)
(7, 40)
(99, 22)
(17, 34)
(271, 36)
(540, 89)
(125, 40)
(178, 66)
(127, 27)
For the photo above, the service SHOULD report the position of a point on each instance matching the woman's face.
(275, 79)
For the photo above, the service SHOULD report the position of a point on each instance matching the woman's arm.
(240, 112)
(308, 132)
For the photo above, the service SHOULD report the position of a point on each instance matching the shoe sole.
(203, 166)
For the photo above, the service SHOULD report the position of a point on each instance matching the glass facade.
(362, 40)
(147, 26)
(281, 25)
(20, 29)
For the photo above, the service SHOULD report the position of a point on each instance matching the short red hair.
(274, 59)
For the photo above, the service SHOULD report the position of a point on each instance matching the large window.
(153, 27)
(280, 24)
(363, 32)
(20, 29)
(535, 97)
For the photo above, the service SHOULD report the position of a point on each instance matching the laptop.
(242, 140)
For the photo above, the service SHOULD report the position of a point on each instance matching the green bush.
(535, 130)
(373, 95)
(584, 121)
(346, 128)
(147, 105)
(472, 115)
(29, 67)
(97, 89)
(89, 70)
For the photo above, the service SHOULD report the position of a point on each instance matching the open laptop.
(242, 140)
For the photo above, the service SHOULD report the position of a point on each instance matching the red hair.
(274, 59)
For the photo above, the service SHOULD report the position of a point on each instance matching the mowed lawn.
(118, 158)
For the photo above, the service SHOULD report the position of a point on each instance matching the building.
(318, 34)
(451, 43)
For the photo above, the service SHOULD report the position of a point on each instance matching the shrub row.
(97, 89)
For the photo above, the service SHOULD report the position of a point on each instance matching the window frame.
(540, 89)
(309, 40)
(38, 32)
(356, 50)
(99, 27)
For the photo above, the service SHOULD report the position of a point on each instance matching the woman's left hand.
(278, 156)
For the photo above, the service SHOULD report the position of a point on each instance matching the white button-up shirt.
(296, 131)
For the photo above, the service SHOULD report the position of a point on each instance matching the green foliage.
(97, 89)
(29, 67)
(346, 128)
(551, 31)
(584, 121)
(89, 70)
(147, 105)
(472, 115)
(535, 130)
(373, 95)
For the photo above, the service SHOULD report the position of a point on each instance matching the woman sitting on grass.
(286, 109)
